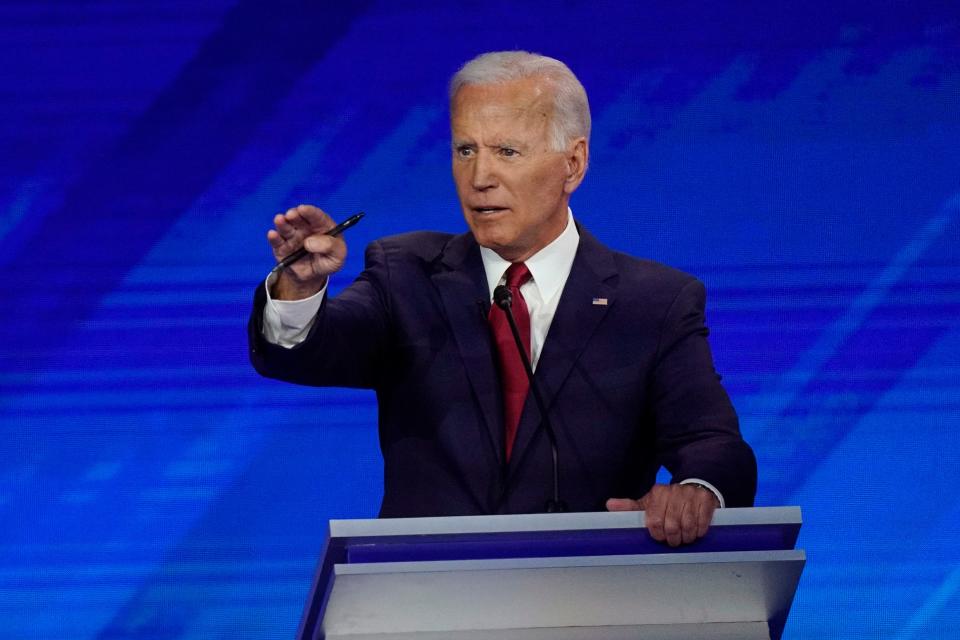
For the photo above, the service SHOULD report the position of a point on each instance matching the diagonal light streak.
(932, 606)
(790, 384)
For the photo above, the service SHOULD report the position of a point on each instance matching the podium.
(576, 576)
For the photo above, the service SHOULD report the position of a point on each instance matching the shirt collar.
(549, 267)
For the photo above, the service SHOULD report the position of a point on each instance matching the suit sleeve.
(348, 338)
(697, 431)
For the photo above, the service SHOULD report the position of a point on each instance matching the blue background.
(803, 159)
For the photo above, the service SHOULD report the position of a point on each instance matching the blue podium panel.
(554, 535)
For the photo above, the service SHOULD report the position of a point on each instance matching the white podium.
(555, 576)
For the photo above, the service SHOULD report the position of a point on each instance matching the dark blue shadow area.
(119, 206)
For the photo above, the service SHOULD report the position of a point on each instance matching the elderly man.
(618, 344)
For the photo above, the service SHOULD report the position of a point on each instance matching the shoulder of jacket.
(645, 270)
(416, 246)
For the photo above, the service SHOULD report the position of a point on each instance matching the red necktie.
(513, 377)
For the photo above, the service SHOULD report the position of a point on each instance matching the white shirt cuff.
(706, 485)
(287, 322)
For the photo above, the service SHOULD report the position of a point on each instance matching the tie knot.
(517, 274)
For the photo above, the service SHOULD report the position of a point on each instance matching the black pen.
(302, 251)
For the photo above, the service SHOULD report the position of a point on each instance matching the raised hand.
(305, 226)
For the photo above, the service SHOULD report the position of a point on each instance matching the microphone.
(503, 298)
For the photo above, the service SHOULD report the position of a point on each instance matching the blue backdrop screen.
(803, 159)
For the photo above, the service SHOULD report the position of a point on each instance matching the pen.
(302, 251)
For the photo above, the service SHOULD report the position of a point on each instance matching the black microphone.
(503, 298)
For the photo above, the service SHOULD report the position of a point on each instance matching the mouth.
(488, 210)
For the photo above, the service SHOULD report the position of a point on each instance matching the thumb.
(623, 504)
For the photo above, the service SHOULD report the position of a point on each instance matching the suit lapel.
(462, 285)
(574, 323)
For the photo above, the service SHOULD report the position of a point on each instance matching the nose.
(484, 176)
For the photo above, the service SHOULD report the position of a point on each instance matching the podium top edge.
(546, 522)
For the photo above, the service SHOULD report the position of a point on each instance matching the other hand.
(675, 513)
(305, 226)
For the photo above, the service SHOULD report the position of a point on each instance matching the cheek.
(543, 186)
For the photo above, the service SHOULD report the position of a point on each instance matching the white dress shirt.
(549, 269)
(287, 322)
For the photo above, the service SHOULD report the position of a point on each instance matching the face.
(513, 187)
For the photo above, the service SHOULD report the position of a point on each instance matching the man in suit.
(618, 344)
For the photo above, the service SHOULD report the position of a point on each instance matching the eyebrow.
(502, 143)
(509, 143)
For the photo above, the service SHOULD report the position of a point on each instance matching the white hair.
(571, 111)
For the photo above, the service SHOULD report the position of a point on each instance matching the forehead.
(516, 105)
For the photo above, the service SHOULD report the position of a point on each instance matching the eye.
(508, 152)
(463, 150)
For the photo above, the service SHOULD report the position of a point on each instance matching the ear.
(578, 156)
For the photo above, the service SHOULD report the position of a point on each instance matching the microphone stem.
(555, 505)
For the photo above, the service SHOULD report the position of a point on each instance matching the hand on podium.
(675, 513)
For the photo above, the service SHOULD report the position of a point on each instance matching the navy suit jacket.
(626, 373)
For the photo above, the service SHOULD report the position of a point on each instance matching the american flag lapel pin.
(600, 302)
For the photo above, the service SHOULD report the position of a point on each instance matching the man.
(618, 344)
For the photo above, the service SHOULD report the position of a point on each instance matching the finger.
(281, 246)
(274, 238)
(705, 514)
(655, 513)
(295, 220)
(651, 496)
(286, 230)
(284, 239)
(315, 217)
(324, 245)
(688, 518)
(308, 219)
(671, 519)
(623, 504)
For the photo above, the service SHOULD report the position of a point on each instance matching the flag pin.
(600, 302)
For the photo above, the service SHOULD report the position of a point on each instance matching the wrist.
(702, 487)
(287, 287)
(709, 488)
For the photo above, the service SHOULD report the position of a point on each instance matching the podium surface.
(576, 575)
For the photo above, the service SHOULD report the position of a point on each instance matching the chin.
(488, 243)
(506, 251)
(491, 240)
(488, 235)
